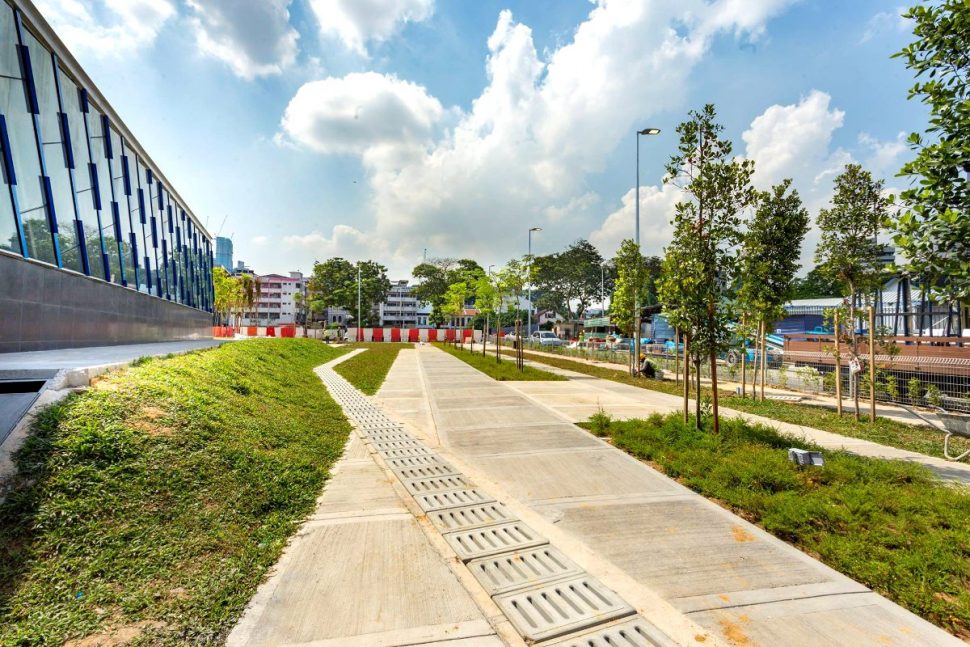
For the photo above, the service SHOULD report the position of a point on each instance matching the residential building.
(85, 212)
(224, 253)
(401, 310)
(277, 304)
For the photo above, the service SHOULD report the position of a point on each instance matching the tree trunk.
(686, 378)
(838, 364)
(676, 357)
(762, 357)
(855, 349)
(744, 358)
(697, 399)
(716, 429)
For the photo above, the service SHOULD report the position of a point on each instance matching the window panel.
(124, 218)
(83, 181)
(55, 152)
(143, 206)
(23, 146)
(9, 238)
(99, 150)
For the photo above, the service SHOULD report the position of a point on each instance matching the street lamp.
(529, 277)
(636, 290)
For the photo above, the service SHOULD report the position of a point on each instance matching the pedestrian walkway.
(675, 557)
(584, 395)
(361, 572)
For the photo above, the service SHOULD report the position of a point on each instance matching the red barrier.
(395, 334)
(432, 334)
(270, 331)
(466, 333)
(287, 331)
(377, 334)
(252, 331)
(450, 334)
(414, 335)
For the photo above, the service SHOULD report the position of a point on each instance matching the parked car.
(546, 338)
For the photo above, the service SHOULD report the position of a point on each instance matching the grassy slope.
(887, 432)
(164, 493)
(503, 372)
(887, 524)
(367, 370)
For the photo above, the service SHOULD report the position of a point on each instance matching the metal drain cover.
(527, 568)
(632, 633)
(492, 540)
(562, 607)
(474, 516)
(441, 500)
(384, 437)
(418, 461)
(402, 453)
(424, 471)
(437, 484)
(397, 444)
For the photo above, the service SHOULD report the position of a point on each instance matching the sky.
(395, 129)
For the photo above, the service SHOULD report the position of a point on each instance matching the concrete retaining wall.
(42, 308)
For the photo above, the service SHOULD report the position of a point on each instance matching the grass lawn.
(884, 431)
(887, 524)
(367, 370)
(151, 505)
(503, 372)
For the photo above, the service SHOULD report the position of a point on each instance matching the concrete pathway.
(674, 556)
(362, 572)
(94, 356)
(584, 395)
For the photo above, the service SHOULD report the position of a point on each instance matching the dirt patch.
(147, 420)
(117, 637)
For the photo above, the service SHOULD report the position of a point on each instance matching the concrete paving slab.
(573, 473)
(465, 634)
(525, 438)
(476, 416)
(358, 486)
(98, 355)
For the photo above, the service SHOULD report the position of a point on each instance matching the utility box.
(805, 457)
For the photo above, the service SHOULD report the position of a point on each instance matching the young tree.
(455, 299)
(635, 273)
(488, 301)
(708, 228)
(436, 276)
(933, 229)
(227, 292)
(848, 250)
(769, 259)
(512, 280)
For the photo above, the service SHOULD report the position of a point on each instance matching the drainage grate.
(384, 437)
(510, 572)
(562, 607)
(402, 453)
(397, 444)
(418, 461)
(423, 471)
(437, 484)
(492, 540)
(475, 516)
(632, 633)
(441, 500)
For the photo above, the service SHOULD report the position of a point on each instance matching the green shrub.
(599, 423)
(914, 389)
(933, 395)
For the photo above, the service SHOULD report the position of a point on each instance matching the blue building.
(96, 245)
(224, 253)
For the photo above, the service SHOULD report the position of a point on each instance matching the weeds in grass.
(159, 501)
(890, 525)
(599, 422)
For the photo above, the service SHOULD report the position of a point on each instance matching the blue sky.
(381, 128)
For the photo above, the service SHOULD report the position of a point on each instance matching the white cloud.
(253, 37)
(344, 241)
(368, 114)
(885, 21)
(656, 212)
(356, 22)
(885, 158)
(260, 241)
(521, 154)
(107, 27)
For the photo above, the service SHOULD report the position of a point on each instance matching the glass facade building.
(224, 253)
(77, 192)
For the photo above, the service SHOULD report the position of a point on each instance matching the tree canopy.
(933, 228)
(333, 284)
(436, 276)
(574, 275)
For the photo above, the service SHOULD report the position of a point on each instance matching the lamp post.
(528, 328)
(360, 330)
(636, 289)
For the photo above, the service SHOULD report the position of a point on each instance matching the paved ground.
(583, 396)
(361, 572)
(670, 553)
(96, 355)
